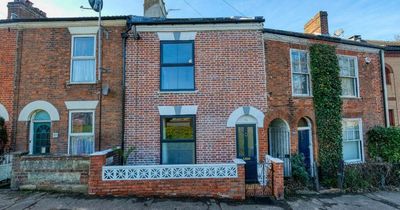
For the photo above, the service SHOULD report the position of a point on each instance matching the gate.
(5, 167)
(280, 147)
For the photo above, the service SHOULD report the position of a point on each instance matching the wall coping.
(239, 161)
(104, 152)
(274, 160)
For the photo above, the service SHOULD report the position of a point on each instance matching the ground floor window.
(352, 140)
(81, 132)
(178, 140)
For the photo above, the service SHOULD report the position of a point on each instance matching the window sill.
(302, 96)
(178, 92)
(353, 162)
(81, 83)
(350, 97)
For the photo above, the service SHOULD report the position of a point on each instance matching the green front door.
(41, 138)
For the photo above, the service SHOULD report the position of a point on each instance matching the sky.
(373, 19)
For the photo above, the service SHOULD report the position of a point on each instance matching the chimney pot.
(318, 24)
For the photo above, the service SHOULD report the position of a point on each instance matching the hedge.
(384, 144)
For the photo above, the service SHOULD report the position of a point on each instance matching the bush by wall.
(384, 144)
(3, 135)
(328, 107)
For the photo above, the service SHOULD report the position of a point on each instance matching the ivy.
(328, 107)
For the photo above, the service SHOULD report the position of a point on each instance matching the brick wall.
(281, 103)
(7, 65)
(62, 173)
(45, 74)
(229, 73)
(227, 188)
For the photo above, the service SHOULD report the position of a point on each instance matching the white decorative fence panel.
(153, 172)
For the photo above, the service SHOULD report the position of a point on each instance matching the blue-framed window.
(177, 66)
(178, 139)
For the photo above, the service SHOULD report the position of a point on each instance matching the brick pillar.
(242, 185)
(18, 176)
(95, 170)
(277, 179)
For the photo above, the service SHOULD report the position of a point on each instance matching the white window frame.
(361, 150)
(309, 94)
(70, 134)
(83, 58)
(357, 85)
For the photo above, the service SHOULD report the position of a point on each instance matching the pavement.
(53, 201)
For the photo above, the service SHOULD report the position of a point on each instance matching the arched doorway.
(279, 143)
(305, 143)
(40, 127)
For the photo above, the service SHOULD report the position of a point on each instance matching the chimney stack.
(155, 8)
(23, 9)
(318, 24)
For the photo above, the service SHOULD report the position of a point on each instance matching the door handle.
(246, 158)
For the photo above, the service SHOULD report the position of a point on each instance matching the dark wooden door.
(247, 150)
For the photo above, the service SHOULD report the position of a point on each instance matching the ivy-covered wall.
(328, 106)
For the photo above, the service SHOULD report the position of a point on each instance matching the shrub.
(328, 107)
(384, 144)
(3, 135)
(299, 171)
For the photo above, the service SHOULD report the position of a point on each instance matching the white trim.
(83, 30)
(356, 76)
(70, 134)
(183, 36)
(4, 113)
(62, 24)
(361, 151)
(29, 109)
(82, 105)
(239, 112)
(199, 27)
(83, 58)
(171, 110)
(309, 90)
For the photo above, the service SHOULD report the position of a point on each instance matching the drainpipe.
(17, 82)
(385, 99)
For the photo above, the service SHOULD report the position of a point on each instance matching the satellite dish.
(339, 32)
(97, 5)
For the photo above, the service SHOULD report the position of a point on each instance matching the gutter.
(385, 98)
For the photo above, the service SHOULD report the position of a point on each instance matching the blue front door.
(304, 147)
(247, 150)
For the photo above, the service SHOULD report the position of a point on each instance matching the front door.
(41, 138)
(247, 150)
(305, 148)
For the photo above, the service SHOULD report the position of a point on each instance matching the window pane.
(178, 153)
(177, 78)
(177, 53)
(300, 84)
(83, 71)
(304, 62)
(351, 130)
(82, 122)
(351, 150)
(83, 46)
(42, 115)
(348, 87)
(241, 152)
(178, 129)
(296, 62)
(81, 145)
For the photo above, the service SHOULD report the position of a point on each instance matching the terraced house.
(201, 106)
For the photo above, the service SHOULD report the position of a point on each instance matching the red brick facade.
(229, 73)
(7, 66)
(283, 105)
(44, 75)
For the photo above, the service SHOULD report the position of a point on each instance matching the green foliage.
(384, 144)
(3, 135)
(299, 171)
(328, 107)
(124, 154)
(354, 180)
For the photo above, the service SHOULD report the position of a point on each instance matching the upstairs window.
(301, 85)
(349, 76)
(83, 63)
(177, 66)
